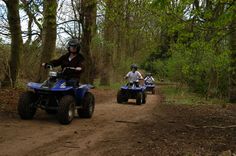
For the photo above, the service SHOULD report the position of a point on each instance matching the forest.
(188, 46)
(191, 42)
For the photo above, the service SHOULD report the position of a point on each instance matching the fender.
(57, 87)
(80, 92)
(141, 88)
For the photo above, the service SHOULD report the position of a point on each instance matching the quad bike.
(150, 87)
(132, 91)
(57, 95)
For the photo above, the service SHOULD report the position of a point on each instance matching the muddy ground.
(155, 128)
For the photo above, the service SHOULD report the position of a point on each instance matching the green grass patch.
(113, 85)
(174, 95)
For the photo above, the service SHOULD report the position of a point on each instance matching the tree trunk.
(16, 41)
(127, 29)
(121, 32)
(232, 88)
(88, 16)
(48, 34)
(107, 51)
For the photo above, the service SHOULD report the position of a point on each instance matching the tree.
(88, 20)
(32, 10)
(16, 41)
(48, 34)
(232, 92)
(107, 50)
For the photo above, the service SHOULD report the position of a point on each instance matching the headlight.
(63, 85)
(52, 74)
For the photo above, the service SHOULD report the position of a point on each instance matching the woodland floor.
(155, 128)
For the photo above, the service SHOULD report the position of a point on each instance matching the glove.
(47, 65)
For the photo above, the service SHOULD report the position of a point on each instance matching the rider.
(134, 75)
(71, 63)
(149, 79)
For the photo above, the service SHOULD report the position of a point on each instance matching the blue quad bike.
(57, 95)
(150, 87)
(131, 91)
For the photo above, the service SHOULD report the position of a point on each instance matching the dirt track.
(124, 129)
(45, 136)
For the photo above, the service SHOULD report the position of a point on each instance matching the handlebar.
(48, 66)
(72, 68)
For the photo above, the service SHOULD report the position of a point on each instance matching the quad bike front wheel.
(26, 108)
(139, 98)
(66, 109)
(88, 105)
(153, 91)
(144, 98)
(121, 97)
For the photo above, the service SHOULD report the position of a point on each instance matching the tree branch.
(75, 20)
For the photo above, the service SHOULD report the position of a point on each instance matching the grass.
(174, 95)
(114, 85)
(21, 85)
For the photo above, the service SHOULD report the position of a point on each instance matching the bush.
(201, 67)
(157, 68)
(4, 56)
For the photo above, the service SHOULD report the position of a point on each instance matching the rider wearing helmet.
(149, 79)
(134, 76)
(73, 59)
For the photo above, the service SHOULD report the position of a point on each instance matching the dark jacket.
(63, 61)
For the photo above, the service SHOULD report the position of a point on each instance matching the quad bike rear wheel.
(26, 108)
(88, 105)
(66, 109)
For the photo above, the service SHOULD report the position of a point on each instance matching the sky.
(63, 15)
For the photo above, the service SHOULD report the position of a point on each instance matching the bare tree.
(16, 40)
(31, 9)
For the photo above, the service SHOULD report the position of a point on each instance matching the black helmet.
(74, 43)
(134, 66)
